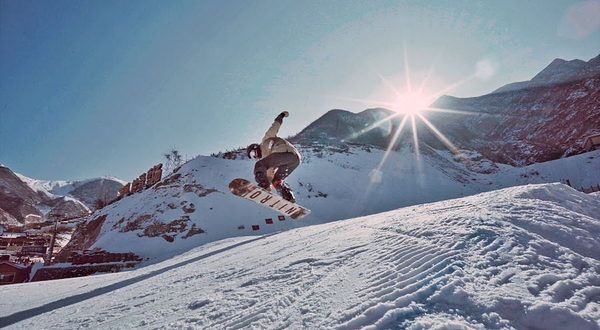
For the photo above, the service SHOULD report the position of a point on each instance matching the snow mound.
(194, 206)
(522, 257)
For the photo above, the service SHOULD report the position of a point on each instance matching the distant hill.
(86, 191)
(340, 126)
(24, 200)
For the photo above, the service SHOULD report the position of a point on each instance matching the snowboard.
(248, 190)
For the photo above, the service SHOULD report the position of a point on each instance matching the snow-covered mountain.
(526, 257)
(343, 174)
(23, 199)
(86, 191)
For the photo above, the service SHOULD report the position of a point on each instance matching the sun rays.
(409, 107)
(411, 103)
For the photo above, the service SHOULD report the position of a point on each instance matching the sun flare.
(411, 103)
(409, 107)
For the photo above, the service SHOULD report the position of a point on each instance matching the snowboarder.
(277, 159)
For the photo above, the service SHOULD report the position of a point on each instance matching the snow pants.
(284, 164)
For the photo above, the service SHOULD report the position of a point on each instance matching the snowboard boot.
(284, 191)
(262, 180)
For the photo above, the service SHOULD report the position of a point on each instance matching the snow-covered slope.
(194, 206)
(524, 257)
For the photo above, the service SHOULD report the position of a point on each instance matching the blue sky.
(91, 88)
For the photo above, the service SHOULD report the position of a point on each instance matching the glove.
(281, 116)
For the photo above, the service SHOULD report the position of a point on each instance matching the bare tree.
(103, 198)
(173, 159)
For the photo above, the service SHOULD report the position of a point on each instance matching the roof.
(13, 235)
(13, 265)
(590, 137)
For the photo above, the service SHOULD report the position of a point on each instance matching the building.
(23, 246)
(13, 273)
(592, 142)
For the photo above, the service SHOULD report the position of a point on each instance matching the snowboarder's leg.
(285, 162)
(285, 191)
(260, 173)
(289, 163)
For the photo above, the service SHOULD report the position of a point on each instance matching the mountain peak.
(595, 61)
(558, 71)
(338, 126)
(376, 111)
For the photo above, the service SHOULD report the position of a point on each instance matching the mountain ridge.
(537, 122)
(23, 199)
(558, 71)
(86, 191)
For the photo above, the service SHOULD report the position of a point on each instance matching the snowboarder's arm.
(272, 131)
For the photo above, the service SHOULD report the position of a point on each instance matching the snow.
(521, 257)
(577, 95)
(43, 186)
(334, 185)
(13, 235)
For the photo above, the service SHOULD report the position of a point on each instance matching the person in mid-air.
(277, 159)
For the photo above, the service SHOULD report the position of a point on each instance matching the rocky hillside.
(559, 71)
(527, 126)
(17, 199)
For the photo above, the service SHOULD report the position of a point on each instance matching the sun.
(411, 103)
